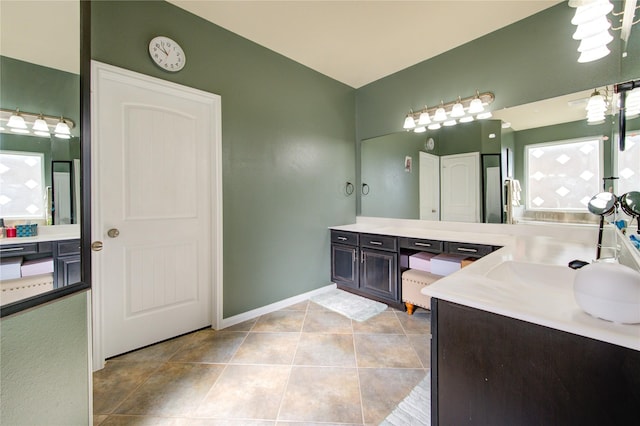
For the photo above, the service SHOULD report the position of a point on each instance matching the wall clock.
(167, 54)
(429, 144)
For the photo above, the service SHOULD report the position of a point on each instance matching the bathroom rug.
(350, 305)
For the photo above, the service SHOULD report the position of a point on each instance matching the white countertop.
(553, 307)
(46, 233)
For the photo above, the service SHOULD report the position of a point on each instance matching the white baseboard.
(249, 315)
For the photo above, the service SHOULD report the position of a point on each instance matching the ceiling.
(357, 41)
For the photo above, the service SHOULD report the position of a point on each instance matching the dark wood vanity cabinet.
(367, 265)
(488, 369)
(67, 265)
(345, 259)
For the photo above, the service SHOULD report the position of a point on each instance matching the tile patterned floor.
(302, 365)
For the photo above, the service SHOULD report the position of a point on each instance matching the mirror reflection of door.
(62, 180)
(460, 187)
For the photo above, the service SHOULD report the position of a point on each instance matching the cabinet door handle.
(423, 244)
(467, 250)
(375, 243)
(7, 250)
(342, 238)
(361, 257)
(353, 256)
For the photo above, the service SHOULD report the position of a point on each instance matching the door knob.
(96, 245)
(113, 233)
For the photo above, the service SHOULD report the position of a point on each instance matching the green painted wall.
(393, 192)
(44, 365)
(287, 142)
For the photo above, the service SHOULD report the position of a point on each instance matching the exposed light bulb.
(466, 119)
(632, 104)
(591, 28)
(420, 129)
(484, 115)
(434, 126)
(449, 123)
(591, 11)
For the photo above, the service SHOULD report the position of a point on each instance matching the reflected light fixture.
(462, 110)
(62, 129)
(592, 28)
(596, 108)
(632, 106)
(484, 115)
(16, 123)
(28, 123)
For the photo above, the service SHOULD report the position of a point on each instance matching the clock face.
(167, 54)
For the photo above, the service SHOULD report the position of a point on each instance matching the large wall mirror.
(44, 159)
(389, 188)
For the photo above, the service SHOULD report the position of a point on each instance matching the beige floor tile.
(211, 346)
(322, 394)
(383, 389)
(246, 392)
(267, 348)
(173, 390)
(421, 343)
(385, 351)
(280, 321)
(418, 323)
(116, 381)
(385, 323)
(325, 321)
(326, 350)
(224, 422)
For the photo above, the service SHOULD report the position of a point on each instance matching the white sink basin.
(532, 274)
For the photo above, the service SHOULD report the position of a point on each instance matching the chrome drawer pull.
(423, 244)
(468, 250)
(11, 249)
(375, 243)
(342, 238)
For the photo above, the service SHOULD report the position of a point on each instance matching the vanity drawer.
(433, 246)
(381, 242)
(18, 249)
(68, 248)
(344, 237)
(471, 250)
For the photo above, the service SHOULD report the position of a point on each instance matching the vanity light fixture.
(441, 114)
(632, 109)
(596, 108)
(457, 110)
(462, 110)
(593, 26)
(62, 129)
(16, 123)
(409, 122)
(424, 118)
(484, 115)
(420, 129)
(38, 124)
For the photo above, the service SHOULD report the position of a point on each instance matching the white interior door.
(429, 186)
(155, 174)
(460, 189)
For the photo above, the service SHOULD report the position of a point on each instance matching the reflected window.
(628, 161)
(22, 185)
(562, 176)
